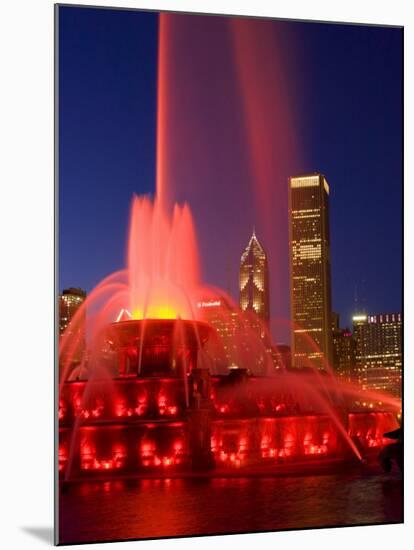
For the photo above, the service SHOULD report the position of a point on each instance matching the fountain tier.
(161, 412)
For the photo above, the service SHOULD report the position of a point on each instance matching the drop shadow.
(44, 534)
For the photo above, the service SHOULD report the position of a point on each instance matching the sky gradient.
(332, 105)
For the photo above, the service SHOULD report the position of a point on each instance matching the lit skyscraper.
(378, 340)
(310, 270)
(237, 342)
(343, 359)
(224, 349)
(254, 280)
(69, 302)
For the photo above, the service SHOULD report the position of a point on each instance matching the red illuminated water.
(180, 507)
(226, 137)
(161, 280)
(163, 264)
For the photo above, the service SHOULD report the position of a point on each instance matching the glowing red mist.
(163, 265)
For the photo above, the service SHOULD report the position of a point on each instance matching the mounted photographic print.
(229, 246)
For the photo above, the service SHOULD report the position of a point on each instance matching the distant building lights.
(359, 318)
(211, 303)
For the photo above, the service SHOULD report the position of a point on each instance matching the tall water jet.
(227, 137)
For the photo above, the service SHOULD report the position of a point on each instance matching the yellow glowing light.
(162, 312)
(307, 181)
(359, 318)
(155, 312)
(138, 314)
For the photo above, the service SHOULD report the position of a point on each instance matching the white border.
(26, 229)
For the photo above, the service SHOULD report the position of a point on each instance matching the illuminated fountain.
(146, 399)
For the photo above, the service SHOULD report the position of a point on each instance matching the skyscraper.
(378, 340)
(223, 349)
(310, 270)
(69, 302)
(237, 341)
(254, 280)
(343, 357)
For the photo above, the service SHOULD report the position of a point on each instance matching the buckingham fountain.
(146, 400)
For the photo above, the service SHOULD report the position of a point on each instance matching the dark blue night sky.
(349, 124)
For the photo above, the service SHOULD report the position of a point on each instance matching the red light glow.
(162, 260)
(165, 406)
(62, 409)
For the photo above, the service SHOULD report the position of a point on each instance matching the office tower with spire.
(254, 302)
(254, 280)
(310, 271)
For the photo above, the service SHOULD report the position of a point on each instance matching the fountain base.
(163, 415)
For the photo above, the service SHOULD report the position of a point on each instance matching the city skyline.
(342, 326)
(253, 298)
(309, 260)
